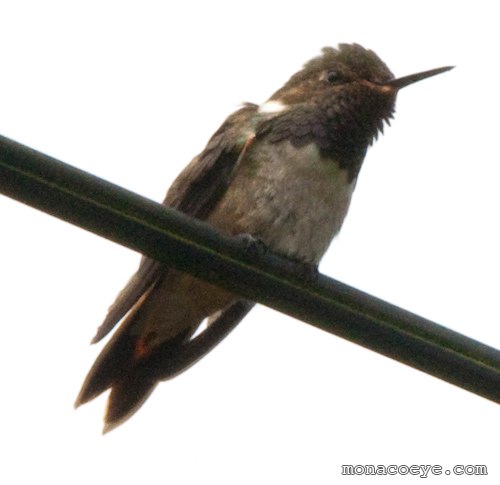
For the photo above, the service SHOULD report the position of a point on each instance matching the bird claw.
(253, 246)
(306, 271)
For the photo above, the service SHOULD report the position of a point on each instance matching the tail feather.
(125, 399)
(132, 380)
(111, 366)
(118, 363)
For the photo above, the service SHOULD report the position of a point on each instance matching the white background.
(130, 91)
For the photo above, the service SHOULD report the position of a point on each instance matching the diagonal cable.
(191, 245)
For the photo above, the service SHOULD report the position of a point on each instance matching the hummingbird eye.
(333, 77)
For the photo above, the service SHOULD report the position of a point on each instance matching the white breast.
(315, 195)
(294, 200)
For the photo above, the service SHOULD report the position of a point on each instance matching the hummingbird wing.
(194, 192)
(128, 363)
(149, 271)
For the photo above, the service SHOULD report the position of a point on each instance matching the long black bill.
(404, 81)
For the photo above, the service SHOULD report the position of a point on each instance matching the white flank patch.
(272, 107)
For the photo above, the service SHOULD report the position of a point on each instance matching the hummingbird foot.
(253, 246)
(304, 270)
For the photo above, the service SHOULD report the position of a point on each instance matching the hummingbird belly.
(291, 198)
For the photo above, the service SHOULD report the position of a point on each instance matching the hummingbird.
(282, 173)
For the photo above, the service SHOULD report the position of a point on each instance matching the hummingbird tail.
(169, 360)
(133, 380)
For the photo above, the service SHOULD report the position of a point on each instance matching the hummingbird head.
(351, 88)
